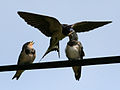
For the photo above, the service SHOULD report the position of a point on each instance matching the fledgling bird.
(51, 27)
(74, 50)
(27, 56)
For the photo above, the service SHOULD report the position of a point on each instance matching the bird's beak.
(32, 42)
(71, 31)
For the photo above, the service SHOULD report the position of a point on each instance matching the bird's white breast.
(73, 52)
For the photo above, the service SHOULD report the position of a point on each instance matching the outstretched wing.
(47, 25)
(88, 25)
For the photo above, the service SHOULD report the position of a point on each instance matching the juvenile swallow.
(51, 27)
(27, 56)
(74, 51)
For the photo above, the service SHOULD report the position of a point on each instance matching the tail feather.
(17, 77)
(55, 48)
(77, 71)
(18, 74)
(77, 77)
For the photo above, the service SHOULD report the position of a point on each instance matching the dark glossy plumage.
(51, 27)
(86, 26)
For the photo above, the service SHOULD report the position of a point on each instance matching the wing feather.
(47, 25)
(88, 25)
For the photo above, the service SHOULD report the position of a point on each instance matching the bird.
(51, 27)
(27, 56)
(74, 51)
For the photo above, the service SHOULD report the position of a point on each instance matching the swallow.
(74, 51)
(27, 56)
(51, 27)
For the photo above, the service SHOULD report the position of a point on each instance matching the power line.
(62, 64)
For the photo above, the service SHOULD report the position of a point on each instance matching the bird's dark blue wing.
(88, 25)
(47, 25)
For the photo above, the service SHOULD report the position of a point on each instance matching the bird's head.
(66, 29)
(28, 44)
(73, 36)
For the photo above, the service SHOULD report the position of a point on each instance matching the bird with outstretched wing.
(51, 27)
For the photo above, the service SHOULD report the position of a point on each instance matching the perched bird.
(26, 56)
(51, 27)
(74, 51)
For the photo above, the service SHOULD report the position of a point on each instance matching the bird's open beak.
(71, 31)
(32, 42)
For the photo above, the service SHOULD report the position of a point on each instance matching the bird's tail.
(55, 48)
(77, 71)
(17, 74)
